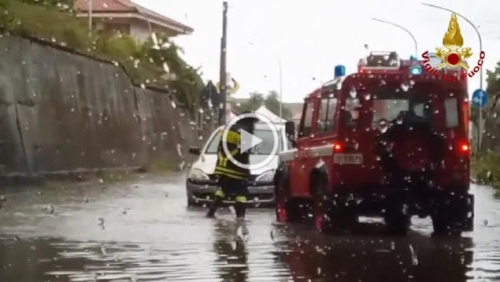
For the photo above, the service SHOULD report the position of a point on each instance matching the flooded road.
(142, 231)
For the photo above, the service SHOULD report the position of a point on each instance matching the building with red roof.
(128, 17)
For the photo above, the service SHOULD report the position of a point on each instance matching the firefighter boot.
(241, 227)
(213, 208)
(240, 209)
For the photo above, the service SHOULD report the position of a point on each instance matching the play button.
(262, 145)
(248, 141)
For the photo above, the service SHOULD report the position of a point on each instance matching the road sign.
(479, 98)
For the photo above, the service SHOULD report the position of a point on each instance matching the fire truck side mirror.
(290, 129)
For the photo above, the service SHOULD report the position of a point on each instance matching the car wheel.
(190, 202)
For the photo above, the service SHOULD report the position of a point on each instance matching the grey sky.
(311, 37)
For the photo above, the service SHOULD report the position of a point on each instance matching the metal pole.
(90, 8)
(147, 20)
(480, 125)
(281, 88)
(404, 29)
(211, 110)
(223, 74)
(150, 28)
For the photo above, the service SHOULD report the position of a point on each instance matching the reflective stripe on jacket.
(224, 164)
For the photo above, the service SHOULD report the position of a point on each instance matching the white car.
(201, 183)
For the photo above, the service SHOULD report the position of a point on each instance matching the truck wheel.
(451, 215)
(321, 207)
(327, 217)
(320, 215)
(445, 227)
(397, 223)
(396, 217)
(287, 209)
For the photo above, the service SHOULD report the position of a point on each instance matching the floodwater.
(142, 231)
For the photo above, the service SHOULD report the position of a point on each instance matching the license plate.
(348, 158)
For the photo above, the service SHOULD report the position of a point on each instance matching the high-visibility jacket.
(232, 138)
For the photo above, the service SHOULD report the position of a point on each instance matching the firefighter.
(232, 179)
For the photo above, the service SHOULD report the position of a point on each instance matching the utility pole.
(223, 78)
(90, 8)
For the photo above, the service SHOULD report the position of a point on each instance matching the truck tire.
(326, 217)
(396, 216)
(396, 221)
(287, 208)
(443, 226)
(450, 216)
(320, 207)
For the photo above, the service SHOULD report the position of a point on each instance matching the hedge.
(56, 22)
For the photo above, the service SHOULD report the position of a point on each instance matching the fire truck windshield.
(388, 109)
(389, 102)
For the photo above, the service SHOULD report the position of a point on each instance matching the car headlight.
(197, 174)
(267, 176)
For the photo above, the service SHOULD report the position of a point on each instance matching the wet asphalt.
(142, 231)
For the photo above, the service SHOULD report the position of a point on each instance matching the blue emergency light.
(412, 58)
(339, 71)
(416, 70)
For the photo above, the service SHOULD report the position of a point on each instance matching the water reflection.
(23, 261)
(157, 240)
(231, 253)
(371, 257)
(294, 252)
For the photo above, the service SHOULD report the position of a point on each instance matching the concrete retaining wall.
(62, 111)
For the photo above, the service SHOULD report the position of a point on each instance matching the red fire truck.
(389, 140)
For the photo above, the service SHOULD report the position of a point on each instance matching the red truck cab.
(389, 140)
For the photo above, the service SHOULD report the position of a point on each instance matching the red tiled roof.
(104, 6)
(126, 6)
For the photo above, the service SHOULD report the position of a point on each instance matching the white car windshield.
(264, 148)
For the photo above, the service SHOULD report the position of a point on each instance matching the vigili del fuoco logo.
(453, 55)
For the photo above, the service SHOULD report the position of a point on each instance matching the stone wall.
(62, 111)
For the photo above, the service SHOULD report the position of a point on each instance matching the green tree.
(253, 103)
(62, 5)
(5, 17)
(491, 131)
(145, 64)
(493, 79)
(485, 164)
(172, 71)
(272, 102)
(493, 90)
